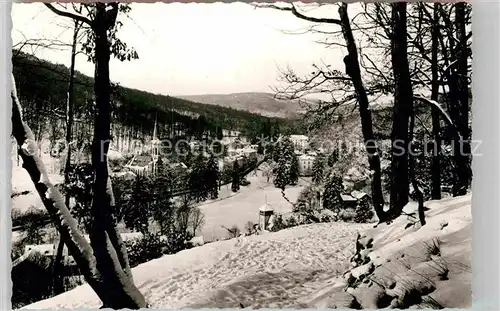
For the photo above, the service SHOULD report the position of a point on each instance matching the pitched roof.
(142, 160)
(266, 208)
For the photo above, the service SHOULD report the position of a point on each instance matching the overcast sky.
(188, 49)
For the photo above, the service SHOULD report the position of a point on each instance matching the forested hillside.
(43, 87)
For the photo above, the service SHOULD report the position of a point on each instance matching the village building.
(141, 165)
(353, 199)
(230, 133)
(306, 162)
(50, 249)
(229, 136)
(146, 164)
(228, 162)
(248, 152)
(300, 142)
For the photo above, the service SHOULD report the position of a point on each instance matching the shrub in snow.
(233, 232)
(278, 223)
(308, 201)
(145, 249)
(347, 215)
(197, 241)
(153, 246)
(250, 228)
(31, 280)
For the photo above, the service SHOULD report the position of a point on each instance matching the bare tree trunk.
(53, 200)
(108, 248)
(403, 106)
(413, 176)
(366, 118)
(114, 235)
(58, 278)
(436, 127)
(462, 102)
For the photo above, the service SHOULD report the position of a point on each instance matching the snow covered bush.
(308, 201)
(364, 212)
(152, 246)
(145, 249)
(347, 215)
(31, 280)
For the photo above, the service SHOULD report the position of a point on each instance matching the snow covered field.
(241, 207)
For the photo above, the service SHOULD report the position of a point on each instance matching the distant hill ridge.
(262, 103)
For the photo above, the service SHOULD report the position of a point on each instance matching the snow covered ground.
(293, 267)
(243, 206)
(21, 181)
(272, 270)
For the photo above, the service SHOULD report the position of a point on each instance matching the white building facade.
(306, 164)
(300, 142)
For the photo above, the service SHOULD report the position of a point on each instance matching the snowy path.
(271, 270)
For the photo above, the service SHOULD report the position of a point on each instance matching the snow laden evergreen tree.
(364, 212)
(286, 171)
(318, 170)
(162, 209)
(333, 157)
(212, 176)
(137, 208)
(332, 192)
(235, 185)
(197, 181)
(308, 200)
(281, 175)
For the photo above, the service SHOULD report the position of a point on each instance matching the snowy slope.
(297, 267)
(273, 270)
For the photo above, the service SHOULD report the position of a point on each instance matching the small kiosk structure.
(265, 213)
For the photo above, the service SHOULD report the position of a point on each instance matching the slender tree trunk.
(454, 110)
(403, 106)
(365, 114)
(462, 102)
(436, 127)
(413, 175)
(38, 139)
(58, 278)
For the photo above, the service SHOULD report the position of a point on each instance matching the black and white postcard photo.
(242, 155)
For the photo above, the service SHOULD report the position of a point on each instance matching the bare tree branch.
(68, 14)
(298, 14)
